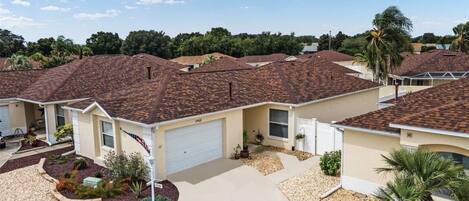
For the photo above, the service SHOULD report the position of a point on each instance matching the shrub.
(330, 163)
(137, 189)
(157, 198)
(58, 159)
(98, 174)
(31, 140)
(104, 189)
(63, 132)
(80, 164)
(122, 166)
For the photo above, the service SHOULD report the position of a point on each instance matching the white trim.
(430, 130)
(273, 137)
(52, 102)
(95, 104)
(359, 185)
(72, 109)
(102, 133)
(384, 133)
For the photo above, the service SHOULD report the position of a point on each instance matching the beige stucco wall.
(366, 73)
(362, 155)
(17, 116)
(435, 142)
(257, 118)
(232, 135)
(338, 109)
(390, 90)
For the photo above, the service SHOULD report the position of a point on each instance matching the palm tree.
(461, 42)
(421, 172)
(385, 41)
(19, 62)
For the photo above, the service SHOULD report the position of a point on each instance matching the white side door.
(4, 121)
(190, 146)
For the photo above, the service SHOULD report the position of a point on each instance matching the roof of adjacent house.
(12, 83)
(189, 94)
(5, 65)
(443, 107)
(199, 59)
(433, 61)
(328, 55)
(222, 64)
(263, 58)
(93, 76)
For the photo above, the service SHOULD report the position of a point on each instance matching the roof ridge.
(162, 89)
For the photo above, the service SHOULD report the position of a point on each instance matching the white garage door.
(193, 145)
(4, 121)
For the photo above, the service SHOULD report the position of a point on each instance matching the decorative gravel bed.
(265, 162)
(30, 160)
(301, 155)
(58, 168)
(25, 184)
(26, 146)
(308, 187)
(343, 194)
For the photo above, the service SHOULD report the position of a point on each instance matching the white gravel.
(25, 184)
(309, 186)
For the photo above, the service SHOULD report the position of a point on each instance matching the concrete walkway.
(41, 150)
(229, 180)
(5, 154)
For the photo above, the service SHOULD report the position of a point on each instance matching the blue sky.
(78, 19)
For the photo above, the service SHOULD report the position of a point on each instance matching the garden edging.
(55, 192)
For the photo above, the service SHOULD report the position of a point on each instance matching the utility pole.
(330, 39)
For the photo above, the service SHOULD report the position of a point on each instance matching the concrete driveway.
(225, 180)
(5, 154)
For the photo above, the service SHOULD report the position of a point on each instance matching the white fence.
(319, 137)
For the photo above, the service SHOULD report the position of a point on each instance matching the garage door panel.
(193, 145)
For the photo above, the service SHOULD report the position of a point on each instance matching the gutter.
(377, 132)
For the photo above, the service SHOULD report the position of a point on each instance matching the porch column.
(50, 123)
(117, 137)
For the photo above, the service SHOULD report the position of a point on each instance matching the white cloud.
(3, 10)
(21, 2)
(10, 20)
(95, 16)
(54, 8)
(130, 7)
(152, 2)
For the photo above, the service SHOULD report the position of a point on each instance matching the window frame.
(57, 116)
(102, 133)
(269, 122)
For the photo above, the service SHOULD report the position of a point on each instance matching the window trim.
(278, 123)
(102, 133)
(57, 107)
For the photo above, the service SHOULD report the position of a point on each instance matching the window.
(458, 158)
(278, 123)
(106, 132)
(59, 116)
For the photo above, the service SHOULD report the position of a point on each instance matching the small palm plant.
(418, 174)
(19, 62)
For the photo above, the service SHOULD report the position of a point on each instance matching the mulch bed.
(301, 155)
(30, 160)
(57, 170)
(26, 146)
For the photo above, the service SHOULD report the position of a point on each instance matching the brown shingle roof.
(93, 76)
(263, 58)
(442, 107)
(328, 55)
(433, 61)
(221, 64)
(190, 60)
(189, 94)
(12, 83)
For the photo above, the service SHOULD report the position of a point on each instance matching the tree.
(43, 46)
(418, 174)
(10, 43)
(338, 39)
(386, 40)
(353, 46)
(323, 42)
(461, 42)
(429, 38)
(150, 42)
(104, 43)
(19, 62)
(307, 39)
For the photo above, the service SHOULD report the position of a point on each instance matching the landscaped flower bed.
(26, 146)
(71, 173)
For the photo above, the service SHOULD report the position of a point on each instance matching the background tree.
(461, 42)
(104, 43)
(323, 42)
(307, 39)
(150, 42)
(43, 46)
(19, 62)
(10, 43)
(353, 46)
(338, 39)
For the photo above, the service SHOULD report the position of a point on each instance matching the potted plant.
(3, 143)
(300, 141)
(236, 152)
(259, 137)
(245, 152)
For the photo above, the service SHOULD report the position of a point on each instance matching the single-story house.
(34, 98)
(193, 62)
(309, 48)
(261, 60)
(186, 119)
(435, 119)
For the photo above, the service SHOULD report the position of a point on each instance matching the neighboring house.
(222, 64)
(341, 59)
(6, 66)
(193, 62)
(309, 48)
(262, 60)
(34, 98)
(187, 119)
(420, 47)
(435, 119)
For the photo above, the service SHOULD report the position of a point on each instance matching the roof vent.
(149, 72)
(230, 85)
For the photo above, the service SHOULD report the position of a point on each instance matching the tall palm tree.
(461, 42)
(19, 62)
(421, 171)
